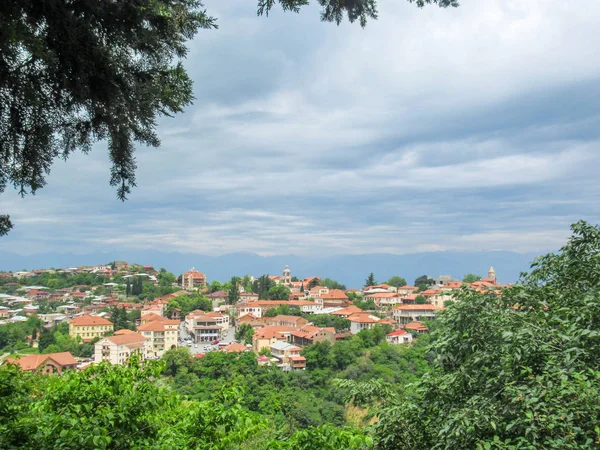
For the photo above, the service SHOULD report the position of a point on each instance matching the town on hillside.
(70, 318)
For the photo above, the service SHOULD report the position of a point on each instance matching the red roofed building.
(399, 337)
(266, 336)
(161, 334)
(416, 326)
(404, 314)
(364, 321)
(309, 334)
(89, 327)
(334, 298)
(46, 364)
(119, 348)
(193, 279)
(235, 348)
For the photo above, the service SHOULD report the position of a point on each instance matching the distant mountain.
(351, 270)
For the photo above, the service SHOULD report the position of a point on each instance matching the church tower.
(492, 274)
(287, 276)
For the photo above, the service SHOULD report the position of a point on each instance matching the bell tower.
(492, 274)
(287, 276)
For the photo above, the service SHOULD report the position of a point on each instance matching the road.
(199, 348)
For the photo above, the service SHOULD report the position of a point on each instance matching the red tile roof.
(425, 307)
(126, 339)
(32, 362)
(89, 321)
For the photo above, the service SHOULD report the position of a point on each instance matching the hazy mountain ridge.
(348, 269)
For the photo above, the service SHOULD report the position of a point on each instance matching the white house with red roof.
(399, 337)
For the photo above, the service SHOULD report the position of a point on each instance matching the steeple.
(492, 273)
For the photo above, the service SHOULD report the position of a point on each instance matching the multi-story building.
(193, 279)
(119, 348)
(365, 321)
(309, 334)
(404, 314)
(286, 321)
(399, 337)
(161, 334)
(288, 356)
(264, 337)
(89, 327)
(207, 327)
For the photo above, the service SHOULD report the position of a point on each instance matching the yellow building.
(89, 327)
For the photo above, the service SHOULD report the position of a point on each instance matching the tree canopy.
(396, 281)
(471, 278)
(520, 370)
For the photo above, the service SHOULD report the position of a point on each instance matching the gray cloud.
(467, 129)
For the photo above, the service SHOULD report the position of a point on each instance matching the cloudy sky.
(476, 128)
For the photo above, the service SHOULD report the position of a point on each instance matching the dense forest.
(517, 369)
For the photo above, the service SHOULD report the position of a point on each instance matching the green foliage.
(396, 281)
(332, 284)
(234, 291)
(279, 292)
(471, 278)
(423, 282)
(370, 281)
(364, 304)
(329, 320)
(120, 319)
(420, 300)
(515, 371)
(190, 302)
(244, 333)
(285, 310)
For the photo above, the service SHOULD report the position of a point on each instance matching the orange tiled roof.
(89, 320)
(419, 307)
(32, 362)
(272, 332)
(362, 318)
(235, 348)
(125, 339)
(348, 311)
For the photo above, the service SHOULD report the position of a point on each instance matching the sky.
(467, 129)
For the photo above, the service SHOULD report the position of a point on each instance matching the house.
(288, 355)
(406, 290)
(263, 360)
(254, 322)
(286, 321)
(317, 291)
(266, 336)
(46, 364)
(399, 337)
(218, 297)
(193, 279)
(417, 327)
(119, 348)
(404, 314)
(235, 348)
(207, 327)
(347, 312)
(158, 310)
(89, 327)
(333, 298)
(440, 298)
(310, 334)
(364, 321)
(259, 307)
(382, 299)
(248, 296)
(161, 334)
